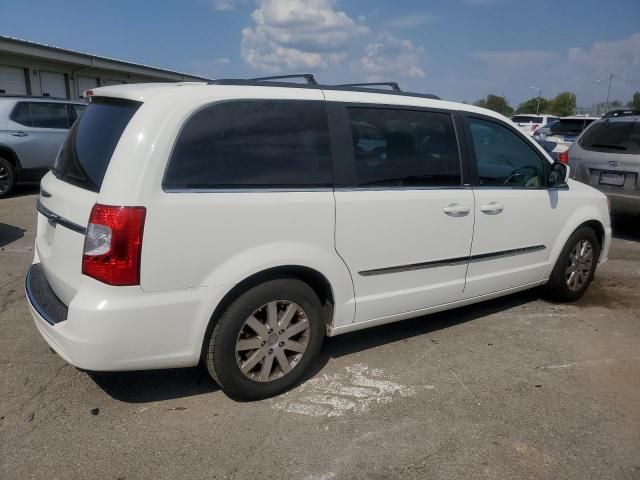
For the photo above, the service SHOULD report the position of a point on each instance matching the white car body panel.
(198, 245)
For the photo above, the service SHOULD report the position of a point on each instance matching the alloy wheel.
(579, 265)
(272, 341)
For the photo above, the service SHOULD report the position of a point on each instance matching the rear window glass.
(527, 119)
(613, 137)
(253, 144)
(569, 127)
(86, 153)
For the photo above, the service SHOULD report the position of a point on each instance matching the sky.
(458, 49)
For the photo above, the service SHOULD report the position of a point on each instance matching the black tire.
(220, 348)
(8, 177)
(558, 288)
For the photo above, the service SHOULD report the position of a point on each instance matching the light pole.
(539, 96)
(593, 87)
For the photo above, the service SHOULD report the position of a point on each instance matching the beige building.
(30, 68)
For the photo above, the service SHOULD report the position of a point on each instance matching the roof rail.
(394, 85)
(310, 79)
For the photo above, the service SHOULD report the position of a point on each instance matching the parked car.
(530, 123)
(32, 129)
(607, 157)
(238, 223)
(630, 112)
(563, 132)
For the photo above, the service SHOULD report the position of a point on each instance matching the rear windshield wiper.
(605, 145)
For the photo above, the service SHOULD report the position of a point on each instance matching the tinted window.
(22, 114)
(253, 144)
(75, 111)
(404, 148)
(612, 137)
(86, 153)
(569, 127)
(527, 119)
(503, 158)
(49, 115)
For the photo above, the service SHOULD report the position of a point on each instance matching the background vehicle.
(621, 113)
(238, 222)
(530, 123)
(32, 130)
(563, 132)
(607, 157)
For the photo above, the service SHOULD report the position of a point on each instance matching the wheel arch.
(8, 154)
(586, 218)
(312, 277)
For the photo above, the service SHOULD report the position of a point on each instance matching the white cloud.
(390, 56)
(291, 34)
(574, 69)
(410, 21)
(226, 5)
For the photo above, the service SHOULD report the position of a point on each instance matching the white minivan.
(237, 223)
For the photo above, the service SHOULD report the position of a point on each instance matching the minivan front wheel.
(7, 177)
(575, 267)
(263, 343)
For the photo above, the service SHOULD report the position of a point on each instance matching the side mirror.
(559, 175)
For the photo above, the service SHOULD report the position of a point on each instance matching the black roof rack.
(394, 85)
(276, 81)
(310, 79)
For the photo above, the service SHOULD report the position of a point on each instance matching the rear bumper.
(121, 328)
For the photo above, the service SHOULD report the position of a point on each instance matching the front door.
(404, 220)
(515, 213)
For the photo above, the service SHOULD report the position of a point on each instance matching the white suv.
(238, 223)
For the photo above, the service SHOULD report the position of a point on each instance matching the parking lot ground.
(513, 388)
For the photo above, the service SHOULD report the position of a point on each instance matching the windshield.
(613, 137)
(86, 153)
(526, 119)
(569, 126)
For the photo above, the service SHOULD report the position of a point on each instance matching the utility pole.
(606, 107)
(539, 96)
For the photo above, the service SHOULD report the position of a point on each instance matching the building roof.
(19, 46)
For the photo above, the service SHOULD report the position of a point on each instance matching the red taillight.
(88, 93)
(563, 157)
(113, 244)
(534, 127)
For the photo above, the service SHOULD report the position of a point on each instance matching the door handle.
(492, 208)
(456, 210)
(18, 134)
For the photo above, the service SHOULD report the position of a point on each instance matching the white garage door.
(53, 84)
(85, 83)
(110, 81)
(12, 81)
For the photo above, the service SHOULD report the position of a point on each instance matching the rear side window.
(86, 153)
(612, 137)
(253, 144)
(404, 148)
(22, 114)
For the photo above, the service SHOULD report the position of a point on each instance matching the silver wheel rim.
(5, 180)
(272, 341)
(579, 265)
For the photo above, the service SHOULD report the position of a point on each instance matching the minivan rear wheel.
(7, 177)
(575, 267)
(266, 339)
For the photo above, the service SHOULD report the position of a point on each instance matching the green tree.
(564, 104)
(635, 101)
(615, 104)
(531, 105)
(497, 103)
